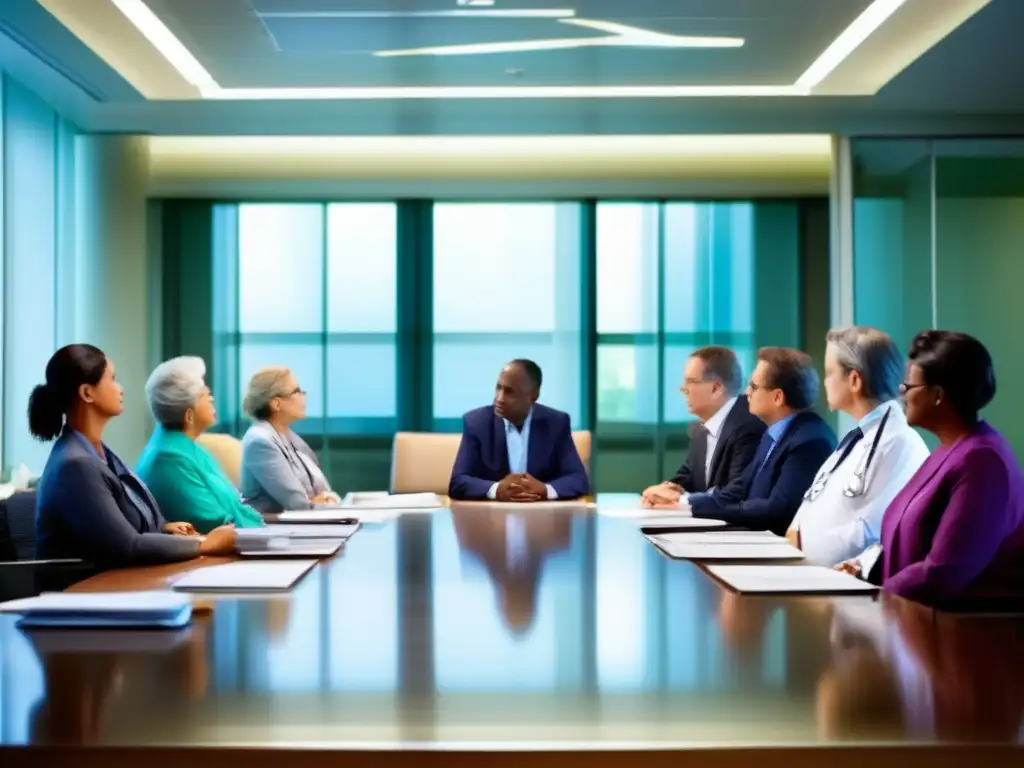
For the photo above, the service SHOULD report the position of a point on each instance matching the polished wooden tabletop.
(481, 628)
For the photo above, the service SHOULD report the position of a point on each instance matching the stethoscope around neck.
(857, 484)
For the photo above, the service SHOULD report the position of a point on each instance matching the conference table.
(527, 636)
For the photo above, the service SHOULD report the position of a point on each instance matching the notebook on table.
(340, 531)
(285, 547)
(718, 536)
(313, 517)
(789, 579)
(701, 550)
(108, 610)
(270, 576)
(385, 500)
(668, 523)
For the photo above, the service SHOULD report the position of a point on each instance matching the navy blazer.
(737, 443)
(768, 499)
(482, 459)
(83, 511)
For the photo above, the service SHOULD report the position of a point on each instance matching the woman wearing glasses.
(955, 533)
(279, 471)
(841, 514)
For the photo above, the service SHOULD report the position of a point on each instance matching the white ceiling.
(308, 67)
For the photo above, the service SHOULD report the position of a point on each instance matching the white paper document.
(284, 547)
(300, 531)
(786, 579)
(676, 522)
(719, 537)
(99, 602)
(404, 501)
(710, 551)
(105, 609)
(245, 576)
(313, 516)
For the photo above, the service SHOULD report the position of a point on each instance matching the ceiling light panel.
(607, 33)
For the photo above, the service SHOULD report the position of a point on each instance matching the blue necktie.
(767, 443)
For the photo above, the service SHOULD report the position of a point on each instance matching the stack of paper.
(403, 501)
(162, 609)
(729, 550)
(300, 531)
(285, 547)
(786, 579)
(664, 523)
(718, 537)
(245, 577)
(314, 517)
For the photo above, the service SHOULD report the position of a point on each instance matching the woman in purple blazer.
(955, 533)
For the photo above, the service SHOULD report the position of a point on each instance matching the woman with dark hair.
(955, 533)
(89, 504)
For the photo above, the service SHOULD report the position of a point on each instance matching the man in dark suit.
(797, 441)
(517, 449)
(725, 440)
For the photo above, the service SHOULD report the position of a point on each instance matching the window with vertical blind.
(506, 285)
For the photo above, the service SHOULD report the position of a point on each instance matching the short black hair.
(721, 363)
(791, 371)
(531, 369)
(958, 363)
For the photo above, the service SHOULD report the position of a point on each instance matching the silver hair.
(173, 387)
(263, 387)
(874, 355)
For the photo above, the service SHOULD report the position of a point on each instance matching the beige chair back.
(227, 450)
(421, 462)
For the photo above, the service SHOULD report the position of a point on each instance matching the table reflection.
(902, 670)
(487, 624)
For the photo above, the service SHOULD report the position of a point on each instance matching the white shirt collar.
(876, 415)
(714, 424)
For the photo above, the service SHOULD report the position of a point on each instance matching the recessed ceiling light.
(860, 29)
(154, 30)
(191, 70)
(619, 35)
(494, 13)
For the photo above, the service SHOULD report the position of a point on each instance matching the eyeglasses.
(296, 391)
(907, 386)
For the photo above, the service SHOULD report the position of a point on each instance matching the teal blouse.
(189, 485)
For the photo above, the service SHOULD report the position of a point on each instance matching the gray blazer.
(83, 510)
(279, 471)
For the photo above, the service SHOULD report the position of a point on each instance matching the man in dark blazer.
(725, 440)
(517, 449)
(797, 441)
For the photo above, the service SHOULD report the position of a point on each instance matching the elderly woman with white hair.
(185, 479)
(841, 514)
(279, 470)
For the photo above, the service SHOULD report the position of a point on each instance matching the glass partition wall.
(939, 242)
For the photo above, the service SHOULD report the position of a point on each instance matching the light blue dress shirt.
(517, 442)
(775, 432)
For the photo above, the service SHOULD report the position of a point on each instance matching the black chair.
(18, 526)
(21, 575)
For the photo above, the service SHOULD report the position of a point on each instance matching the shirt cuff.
(868, 558)
(492, 492)
(552, 493)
